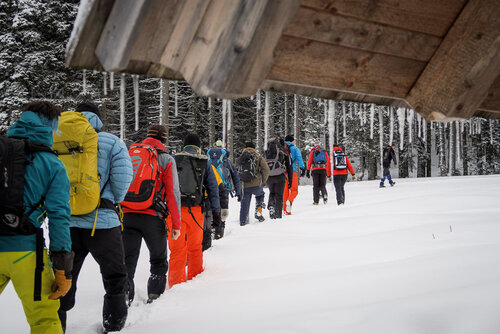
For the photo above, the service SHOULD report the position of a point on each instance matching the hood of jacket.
(94, 120)
(30, 126)
(337, 148)
(251, 150)
(154, 142)
(289, 143)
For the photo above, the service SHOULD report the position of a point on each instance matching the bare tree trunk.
(211, 116)
(258, 123)
(164, 116)
(429, 149)
(441, 149)
(465, 154)
(230, 129)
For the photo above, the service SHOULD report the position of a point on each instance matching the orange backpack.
(141, 193)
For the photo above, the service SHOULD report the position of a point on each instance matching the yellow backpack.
(76, 146)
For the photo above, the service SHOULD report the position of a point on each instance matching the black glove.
(308, 174)
(302, 171)
(238, 196)
(216, 221)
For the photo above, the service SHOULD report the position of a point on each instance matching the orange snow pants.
(291, 193)
(187, 248)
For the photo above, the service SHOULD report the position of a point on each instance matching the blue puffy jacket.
(116, 173)
(229, 170)
(46, 175)
(296, 156)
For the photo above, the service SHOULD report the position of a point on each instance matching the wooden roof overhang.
(439, 57)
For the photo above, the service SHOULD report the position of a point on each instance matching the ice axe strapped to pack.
(76, 146)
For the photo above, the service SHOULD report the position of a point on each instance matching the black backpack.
(275, 158)
(387, 154)
(191, 170)
(14, 155)
(339, 160)
(247, 166)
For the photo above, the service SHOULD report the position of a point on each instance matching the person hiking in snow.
(341, 164)
(290, 193)
(318, 165)
(146, 219)
(387, 156)
(41, 190)
(99, 232)
(280, 171)
(253, 172)
(219, 158)
(195, 178)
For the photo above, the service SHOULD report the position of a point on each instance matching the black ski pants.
(106, 247)
(339, 182)
(138, 226)
(319, 184)
(276, 185)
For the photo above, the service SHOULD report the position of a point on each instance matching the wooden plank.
(487, 114)
(183, 33)
(432, 17)
(456, 80)
(232, 50)
(156, 30)
(86, 32)
(276, 86)
(337, 68)
(120, 32)
(492, 100)
(357, 33)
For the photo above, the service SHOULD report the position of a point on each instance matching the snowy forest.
(33, 36)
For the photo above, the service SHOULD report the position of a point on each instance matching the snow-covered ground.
(422, 257)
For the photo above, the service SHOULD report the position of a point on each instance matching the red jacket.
(342, 171)
(310, 162)
(170, 182)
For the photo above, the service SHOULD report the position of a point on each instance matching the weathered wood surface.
(492, 100)
(276, 86)
(120, 32)
(232, 50)
(80, 51)
(432, 17)
(457, 78)
(355, 33)
(337, 68)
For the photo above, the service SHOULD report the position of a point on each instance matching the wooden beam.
(86, 32)
(492, 100)
(360, 34)
(331, 67)
(120, 33)
(276, 86)
(232, 49)
(487, 114)
(432, 17)
(156, 30)
(457, 78)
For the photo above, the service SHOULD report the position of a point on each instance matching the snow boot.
(130, 292)
(156, 286)
(325, 198)
(288, 209)
(392, 184)
(315, 203)
(272, 212)
(258, 214)
(381, 186)
(219, 232)
(114, 312)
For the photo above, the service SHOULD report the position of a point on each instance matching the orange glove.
(61, 285)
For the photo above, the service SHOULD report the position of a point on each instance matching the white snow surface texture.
(421, 257)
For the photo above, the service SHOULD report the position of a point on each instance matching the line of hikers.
(101, 198)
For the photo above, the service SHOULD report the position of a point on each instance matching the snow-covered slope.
(422, 257)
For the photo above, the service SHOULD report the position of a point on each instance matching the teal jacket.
(115, 168)
(44, 176)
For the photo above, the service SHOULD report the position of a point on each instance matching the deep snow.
(422, 257)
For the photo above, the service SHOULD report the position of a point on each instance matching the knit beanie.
(158, 132)
(88, 106)
(218, 143)
(289, 138)
(192, 139)
(249, 144)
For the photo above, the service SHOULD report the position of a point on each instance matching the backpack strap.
(37, 291)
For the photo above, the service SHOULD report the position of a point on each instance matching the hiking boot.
(129, 294)
(272, 212)
(114, 312)
(315, 203)
(381, 186)
(325, 199)
(219, 233)
(151, 297)
(288, 208)
(392, 184)
(258, 214)
(156, 286)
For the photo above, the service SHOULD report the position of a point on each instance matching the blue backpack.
(217, 157)
(319, 157)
